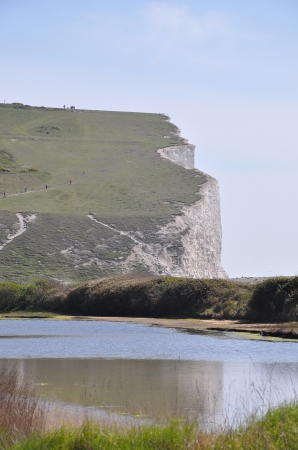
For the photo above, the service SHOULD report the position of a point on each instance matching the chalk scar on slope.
(123, 233)
(23, 222)
(197, 228)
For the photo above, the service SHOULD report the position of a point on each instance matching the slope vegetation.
(116, 175)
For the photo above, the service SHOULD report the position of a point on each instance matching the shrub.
(276, 299)
(42, 295)
(135, 296)
(10, 296)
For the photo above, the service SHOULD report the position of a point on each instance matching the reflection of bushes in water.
(137, 296)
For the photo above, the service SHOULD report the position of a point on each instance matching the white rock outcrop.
(183, 155)
(189, 245)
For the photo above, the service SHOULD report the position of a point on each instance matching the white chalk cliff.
(189, 245)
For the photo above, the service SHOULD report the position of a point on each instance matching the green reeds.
(277, 430)
(23, 418)
(22, 413)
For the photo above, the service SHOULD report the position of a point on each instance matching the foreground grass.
(277, 430)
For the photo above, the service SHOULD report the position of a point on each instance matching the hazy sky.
(225, 71)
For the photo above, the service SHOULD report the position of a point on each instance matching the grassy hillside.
(124, 175)
(116, 173)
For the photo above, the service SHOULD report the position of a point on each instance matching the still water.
(145, 371)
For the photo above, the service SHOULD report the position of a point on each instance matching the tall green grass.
(277, 430)
(22, 413)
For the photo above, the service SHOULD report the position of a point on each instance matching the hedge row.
(275, 299)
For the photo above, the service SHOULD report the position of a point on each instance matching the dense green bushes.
(159, 297)
(11, 296)
(275, 299)
(38, 296)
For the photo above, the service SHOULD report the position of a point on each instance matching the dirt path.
(23, 222)
(123, 233)
(37, 190)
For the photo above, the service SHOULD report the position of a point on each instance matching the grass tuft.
(22, 413)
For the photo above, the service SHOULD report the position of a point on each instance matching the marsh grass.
(21, 412)
(23, 419)
(277, 430)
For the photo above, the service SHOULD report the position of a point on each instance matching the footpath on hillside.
(26, 192)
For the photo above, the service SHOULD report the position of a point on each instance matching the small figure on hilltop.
(69, 181)
(46, 186)
(5, 194)
(25, 190)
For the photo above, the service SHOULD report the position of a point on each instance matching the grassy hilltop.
(116, 173)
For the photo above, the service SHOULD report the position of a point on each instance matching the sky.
(226, 73)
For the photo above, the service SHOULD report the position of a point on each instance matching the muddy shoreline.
(279, 330)
(285, 330)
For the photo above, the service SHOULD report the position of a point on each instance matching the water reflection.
(152, 388)
(148, 371)
(208, 391)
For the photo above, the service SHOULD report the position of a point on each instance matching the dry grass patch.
(22, 413)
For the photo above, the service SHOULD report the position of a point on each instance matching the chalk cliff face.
(189, 245)
(183, 155)
(128, 209)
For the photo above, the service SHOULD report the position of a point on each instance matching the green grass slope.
(116, 173)
(123, 176)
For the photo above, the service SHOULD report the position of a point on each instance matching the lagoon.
(134, 370)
